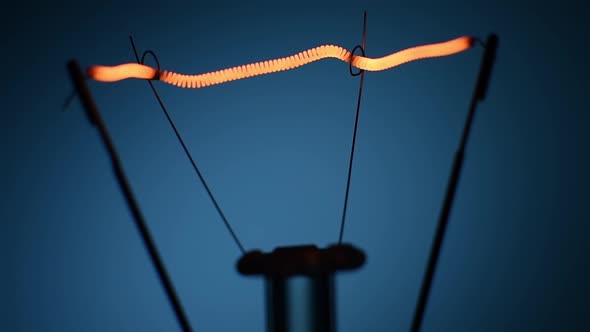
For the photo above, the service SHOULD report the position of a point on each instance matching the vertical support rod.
(478, 95)
(95, 118)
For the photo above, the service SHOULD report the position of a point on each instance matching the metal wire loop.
(153, 54)
(481, 42)
(350, 63)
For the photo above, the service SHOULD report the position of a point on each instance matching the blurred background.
(274, 150)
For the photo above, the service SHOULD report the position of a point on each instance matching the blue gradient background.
(275, 148)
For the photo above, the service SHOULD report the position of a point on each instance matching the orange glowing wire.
(133, 70)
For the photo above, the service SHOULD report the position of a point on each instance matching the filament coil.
(133, 70)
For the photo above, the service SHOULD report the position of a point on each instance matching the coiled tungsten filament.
(133, 70)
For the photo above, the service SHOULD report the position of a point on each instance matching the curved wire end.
(478, 41)
(68, 100)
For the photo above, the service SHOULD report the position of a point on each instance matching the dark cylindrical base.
(300, 304)
(299, 284)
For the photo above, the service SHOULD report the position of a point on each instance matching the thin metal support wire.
(186, 151)
(95, 119)
(356, 121)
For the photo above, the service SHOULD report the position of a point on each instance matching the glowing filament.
(133, 70)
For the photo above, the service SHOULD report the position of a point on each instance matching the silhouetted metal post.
(95, 118)
(485, 71)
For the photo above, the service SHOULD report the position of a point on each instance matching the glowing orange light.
(121, 72)
(133, 70)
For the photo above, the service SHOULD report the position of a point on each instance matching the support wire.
(184, 147)
(356, 121)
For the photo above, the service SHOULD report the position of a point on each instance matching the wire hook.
(350, 63)
(153, 54)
